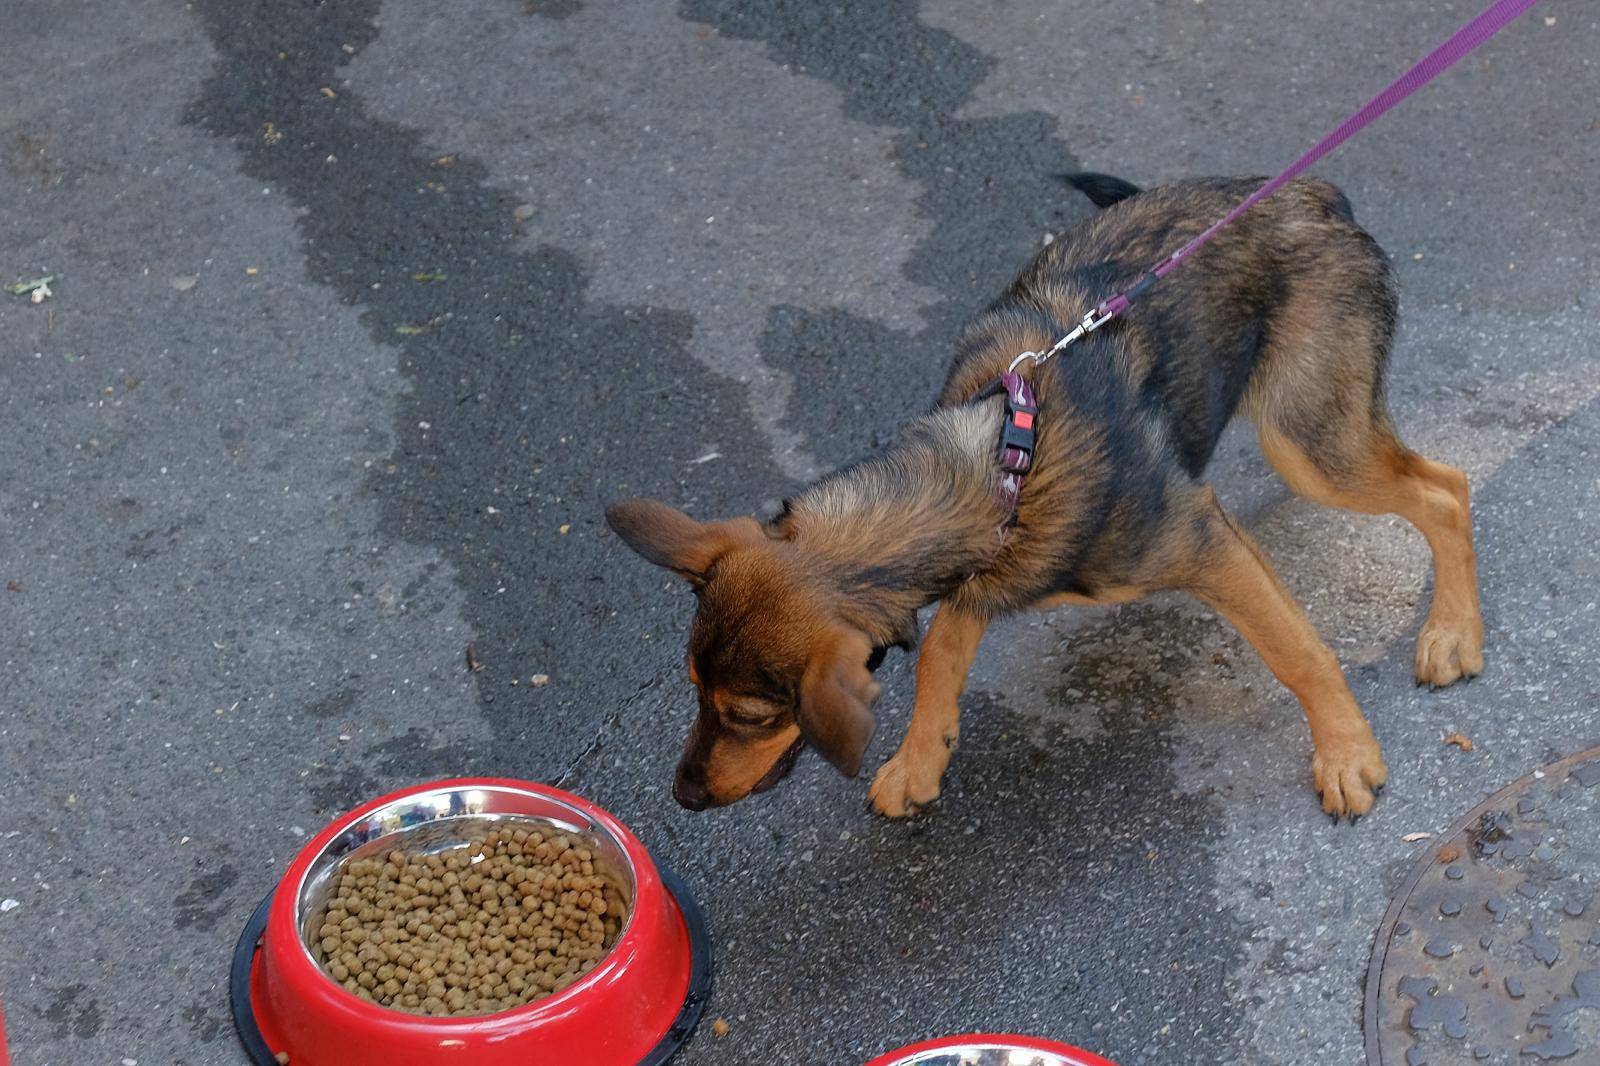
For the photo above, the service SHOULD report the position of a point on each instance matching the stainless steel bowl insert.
(442, 820)
(983, 1055)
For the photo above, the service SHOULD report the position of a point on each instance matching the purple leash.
(1462, 43)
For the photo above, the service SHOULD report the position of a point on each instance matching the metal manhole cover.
(1490, 951)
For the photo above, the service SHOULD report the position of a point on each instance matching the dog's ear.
(836, 694)
(671, 539)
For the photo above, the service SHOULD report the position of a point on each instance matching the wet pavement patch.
(990, 187)
(1486, 954)
(530, 405)
(72, 1012)
(208, 897)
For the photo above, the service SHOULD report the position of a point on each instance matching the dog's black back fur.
(1140, 405)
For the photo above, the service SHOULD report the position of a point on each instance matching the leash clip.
(1092, 320)
(1090, 323)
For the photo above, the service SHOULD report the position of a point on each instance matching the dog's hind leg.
(1368, 469)
(910, 778)
(1317, 399)
(1229, 573)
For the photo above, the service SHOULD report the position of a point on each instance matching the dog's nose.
(690, 794)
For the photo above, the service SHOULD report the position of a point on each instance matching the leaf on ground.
(412, 331)
(23, 288)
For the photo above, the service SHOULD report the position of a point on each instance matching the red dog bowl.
(990, 1049)
(638, 1005)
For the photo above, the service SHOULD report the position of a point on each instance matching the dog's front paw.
(1348, 775)
(1449, 651)
(905, 784)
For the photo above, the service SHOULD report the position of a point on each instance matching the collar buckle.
(1017, 441)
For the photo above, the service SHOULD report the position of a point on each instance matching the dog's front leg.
(910, 778)
(1233, 576)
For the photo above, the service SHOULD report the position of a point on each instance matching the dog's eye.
(755, 721)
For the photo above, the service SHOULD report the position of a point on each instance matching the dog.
(1287, 316)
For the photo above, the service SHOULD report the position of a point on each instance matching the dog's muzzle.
(781, 768)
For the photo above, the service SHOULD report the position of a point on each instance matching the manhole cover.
(1490, 952)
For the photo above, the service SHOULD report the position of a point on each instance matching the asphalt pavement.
(364, 311)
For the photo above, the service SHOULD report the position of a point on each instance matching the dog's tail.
(1102, 189)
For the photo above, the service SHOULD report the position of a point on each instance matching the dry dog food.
(516, 915)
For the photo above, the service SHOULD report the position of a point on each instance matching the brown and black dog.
(1287, 316)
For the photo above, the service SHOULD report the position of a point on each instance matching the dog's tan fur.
(1287, 316)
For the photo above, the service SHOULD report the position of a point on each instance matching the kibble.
(515, 915)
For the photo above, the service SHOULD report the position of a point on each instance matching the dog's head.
(774, 666)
